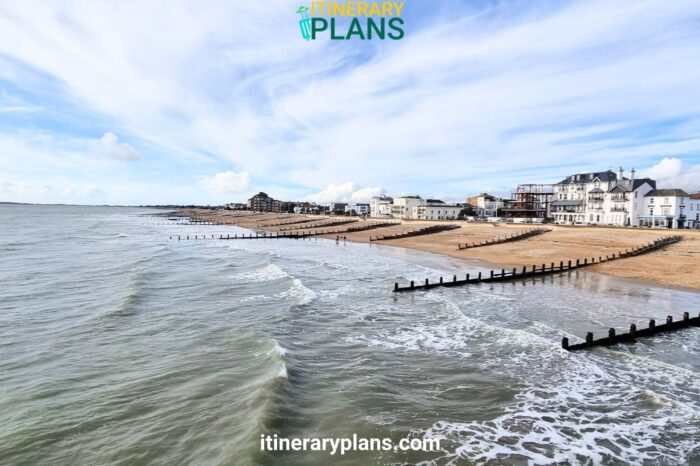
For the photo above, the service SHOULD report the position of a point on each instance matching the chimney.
(632, 174)
(619, 174)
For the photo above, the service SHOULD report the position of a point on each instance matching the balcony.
(618, 209)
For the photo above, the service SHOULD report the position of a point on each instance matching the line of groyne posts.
(544, 270)
(634, 333)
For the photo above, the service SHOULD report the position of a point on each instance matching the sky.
(181, 102)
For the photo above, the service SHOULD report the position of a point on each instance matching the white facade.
(603, 198)
(693, 212)
(666, 208)
(436, 210)
(359, 209)
(380, 206)
(403, 206)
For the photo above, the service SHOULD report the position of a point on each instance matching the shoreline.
(676, 266)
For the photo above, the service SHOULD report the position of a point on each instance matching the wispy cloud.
(473, 98)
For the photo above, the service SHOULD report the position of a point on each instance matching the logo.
(370, 21)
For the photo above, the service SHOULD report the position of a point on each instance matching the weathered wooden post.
(611, 334)
(503, 273)
(524, 269)
(686, 316)
(515, 271)
(565, 343)
(441, 280)
(577, 262)
(585, 261)
(467, 277)
(412, 285)
(178, 237)
(652, 326)
(426, 282)
(396, 287)
(589, 339)
(454, 278)
(479, 276)
(669, 320)
(633, 331)
(561, 265)
(492, 274)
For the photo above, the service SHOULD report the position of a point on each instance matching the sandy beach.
(677, 265)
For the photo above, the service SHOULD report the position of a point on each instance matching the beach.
(677, 265)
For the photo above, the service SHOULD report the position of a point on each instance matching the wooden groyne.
(335, 223)
(419, 232)
(283, 234)
(535, 271)
(506, 239)
(307, 220)
(630, 337)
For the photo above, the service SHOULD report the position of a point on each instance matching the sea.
(120, 345)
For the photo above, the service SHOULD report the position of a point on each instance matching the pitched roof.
(667, 193)
(595, 191)
(605, 176)
(695, 196)
(637, 183)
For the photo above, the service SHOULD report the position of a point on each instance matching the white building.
(666, 208)
(434, 209)
(602, 198)
(693, 216)
(380, 206)
(357, 209)
(403, 206)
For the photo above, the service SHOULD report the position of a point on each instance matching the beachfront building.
(403, 206)
(529, 203)
(693, 218)
(486, 205)
(337, 208)
(435, 209)
(380, 206)
(357, 209)
(261, 202)
(665, 208)
(601, 198)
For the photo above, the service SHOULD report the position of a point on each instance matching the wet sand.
(677, 265)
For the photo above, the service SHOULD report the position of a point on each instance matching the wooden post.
(633, 331)
(454, 278)
(426, 282)
(577, 262)
(669, 320)
(611, 334)
(479, 276)
(569, 264)
(396, 287)
(524, 270)
(589, 339)
(652, 325)
(585, 261)
(565, 343)
(441, 280)
(514, 271)
(686, 316)
(492, 274)
(467, 277)
(412, 285)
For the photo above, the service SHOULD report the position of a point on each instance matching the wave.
(303, 294)
(268, 273)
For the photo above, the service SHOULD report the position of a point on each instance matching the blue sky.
(191, 102)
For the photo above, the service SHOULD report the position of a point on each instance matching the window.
(651, 200)
(665, 200)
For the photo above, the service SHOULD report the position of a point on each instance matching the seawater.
(120, 346)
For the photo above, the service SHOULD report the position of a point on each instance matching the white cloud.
(344, 192)
(228, 182)
(110, 145)
(514, 88)
(671, 172)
